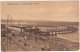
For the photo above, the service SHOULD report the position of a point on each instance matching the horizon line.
(42, 20)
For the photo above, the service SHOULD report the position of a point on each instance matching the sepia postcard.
(39, 25)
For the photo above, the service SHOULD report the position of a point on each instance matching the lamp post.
(7, 31)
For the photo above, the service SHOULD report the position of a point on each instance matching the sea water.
(70, 36)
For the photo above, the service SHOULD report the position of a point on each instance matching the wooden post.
(52, 33)
(21, 30)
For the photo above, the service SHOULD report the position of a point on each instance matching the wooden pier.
(52, 32)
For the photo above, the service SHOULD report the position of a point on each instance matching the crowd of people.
(31, 36)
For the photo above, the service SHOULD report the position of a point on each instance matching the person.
(12, 42)
(48, 47)
(25, 41)
(64, 48)
(19, 40)
(34, 39)
(25, 44)
(13, 33)
(31, 46)
(42, 47)
(10, 38)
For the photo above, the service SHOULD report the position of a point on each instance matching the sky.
(46, 10)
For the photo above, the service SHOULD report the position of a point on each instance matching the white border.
(39, 0)
(0, 26)
(79, 25)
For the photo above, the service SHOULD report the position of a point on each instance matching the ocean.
(70, 36)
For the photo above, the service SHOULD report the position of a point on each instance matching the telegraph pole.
(7, 33)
